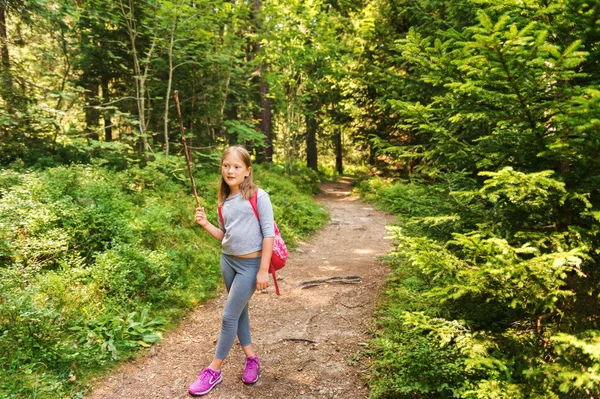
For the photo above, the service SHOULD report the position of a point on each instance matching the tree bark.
(231, 113)
(107, 113)
(372, 155)
(339, 166)
(6, 75)
(169, 84)
(92, 115)
(311, 142)
(140, 73)
(266, 126)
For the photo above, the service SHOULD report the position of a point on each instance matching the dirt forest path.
(336, 317)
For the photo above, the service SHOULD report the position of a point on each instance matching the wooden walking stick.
(185, 149)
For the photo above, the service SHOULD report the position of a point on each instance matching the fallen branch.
(334, 279)
(299, 340)
(360, 305)
(309, 286)
(329, 282)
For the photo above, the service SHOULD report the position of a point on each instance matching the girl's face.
(234, 171)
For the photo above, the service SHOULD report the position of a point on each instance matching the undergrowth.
(479, 304)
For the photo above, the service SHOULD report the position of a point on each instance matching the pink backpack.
(280, 252)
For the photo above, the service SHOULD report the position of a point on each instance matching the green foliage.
(577, 368)
(434, 357)
(496, 128)
(113, 334)
(305, 179)
(433, 209)
(520, 195)
(244, 133)
(371, 189)
(480, 303)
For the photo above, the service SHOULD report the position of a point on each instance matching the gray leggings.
(240, 280)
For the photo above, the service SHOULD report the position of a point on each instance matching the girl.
(247, 245)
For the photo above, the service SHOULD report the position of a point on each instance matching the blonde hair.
(248, 187)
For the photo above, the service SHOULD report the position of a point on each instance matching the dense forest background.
(477, 122)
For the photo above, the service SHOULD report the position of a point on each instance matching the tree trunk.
(92, 115)
(338, 153)
(231, 114)
(6, 75)
(193, 106)
(226, 113)
(140, 73)
(107, 113)
(168, 94)
(311, 142)
(266, 126)
(372, 154)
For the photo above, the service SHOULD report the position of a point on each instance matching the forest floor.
(336, 317)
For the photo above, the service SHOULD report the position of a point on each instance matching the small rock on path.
(337, 317)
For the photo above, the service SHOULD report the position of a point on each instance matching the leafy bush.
(510, 252)
(304, 179)
(481, 300)
(425, 209)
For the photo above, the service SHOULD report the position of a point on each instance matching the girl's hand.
(262, 280)
(201, 216)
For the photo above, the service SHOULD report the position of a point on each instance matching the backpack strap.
(254, 204)
(272, 270)
(221, 215)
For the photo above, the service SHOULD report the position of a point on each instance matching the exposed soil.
(337, 317)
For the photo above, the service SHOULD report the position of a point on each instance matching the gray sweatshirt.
(243, 232)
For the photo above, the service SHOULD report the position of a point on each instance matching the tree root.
(299, 340)
(331, 280)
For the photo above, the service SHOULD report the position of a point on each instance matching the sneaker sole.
(208, 390)
(251, 382)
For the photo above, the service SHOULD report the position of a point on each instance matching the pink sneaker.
(251, 371)
(207, 380)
